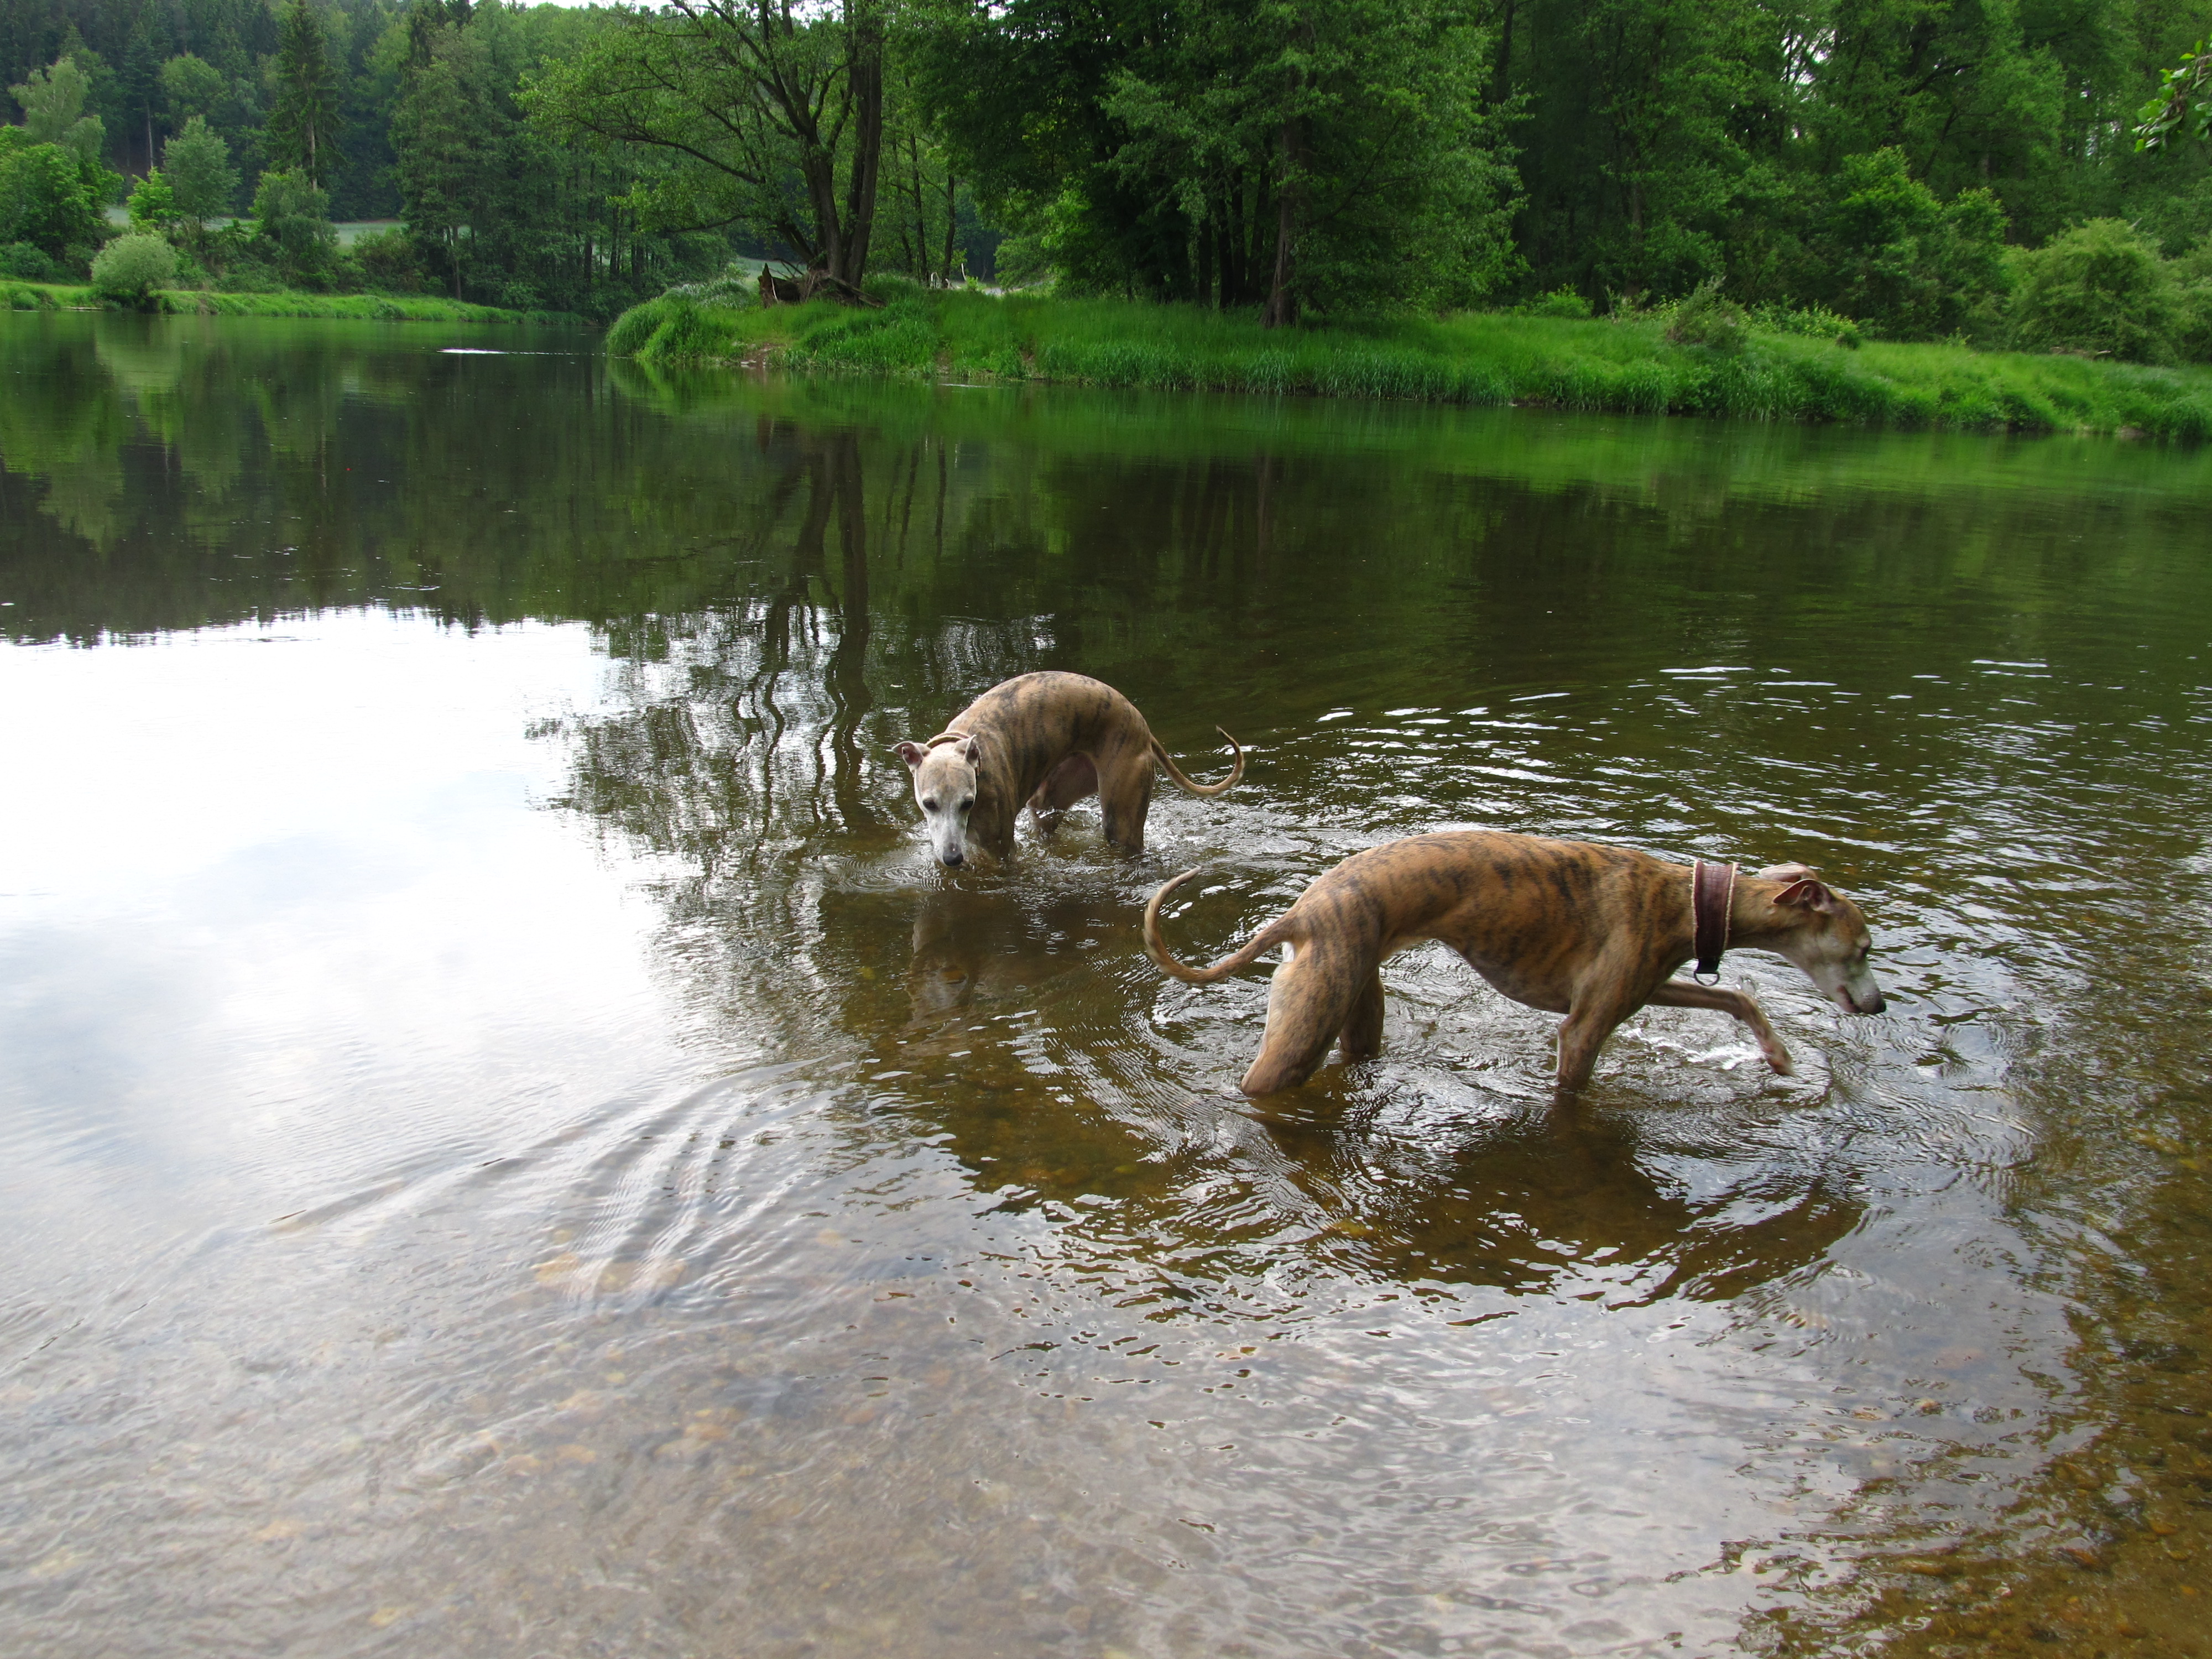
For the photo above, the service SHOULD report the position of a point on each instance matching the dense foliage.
(1927, 169)
(387, 108)
(131, 267)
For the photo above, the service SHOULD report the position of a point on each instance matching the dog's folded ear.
(909, 751)
(1809, 894)
(971, 751)
(1785, 872)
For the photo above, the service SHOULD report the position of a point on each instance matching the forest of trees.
(1880, 158)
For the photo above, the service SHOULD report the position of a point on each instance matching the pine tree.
(303, 127)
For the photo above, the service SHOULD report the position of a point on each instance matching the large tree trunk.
(1283, 304)
(920, 257)
(1501, 83)
(952, 214)
(820, 170)
(865, 88)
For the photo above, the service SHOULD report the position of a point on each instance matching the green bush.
(389, 259)
(27, 263)
(2192, 299)
(1908, 266)
(675, 328)
(130, 268)
(152, 203)
(293, 219)
(249, 276)
(1706, 318)
(1808, 322)
(2099, 288)
(1559, 302)
(47, 196)
(635, 327)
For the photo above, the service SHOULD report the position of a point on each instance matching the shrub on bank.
(1907, 266)
(676, 328)
(1811, 322)
(2100, 288)
(130, 268)
(1559, 302)
(29, 264)
(293, 221)
(2193, 301)
(1708, 317)
(389, 259)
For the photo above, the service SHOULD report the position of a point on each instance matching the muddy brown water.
(511, 1147)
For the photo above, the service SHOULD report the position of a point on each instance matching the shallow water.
(512, 1147)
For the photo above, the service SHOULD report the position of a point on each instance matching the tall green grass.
(1477, 358)
(370, 307)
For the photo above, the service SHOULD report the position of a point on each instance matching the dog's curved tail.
(1235, 771)
(1155, 947)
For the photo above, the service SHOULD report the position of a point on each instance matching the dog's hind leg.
(1074, 778)
(1363, 1027)
(1308, 1000)
(1125, 799)
(1581, 1034)
(1687, 994)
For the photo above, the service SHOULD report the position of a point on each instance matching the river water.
(510, 1146)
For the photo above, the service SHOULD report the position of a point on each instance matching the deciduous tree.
(203, 182)
(778, 105)
(53, 111)
(191, 85)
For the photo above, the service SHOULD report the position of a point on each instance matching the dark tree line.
(1871, 156)
(1879, 158)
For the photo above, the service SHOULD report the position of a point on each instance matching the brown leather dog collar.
(1712, 890)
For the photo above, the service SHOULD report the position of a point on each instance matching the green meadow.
(368, 307)
(1477, 358)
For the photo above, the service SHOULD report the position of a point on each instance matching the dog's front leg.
(1363, 1030)
(1687, 994)
(1581, 1034)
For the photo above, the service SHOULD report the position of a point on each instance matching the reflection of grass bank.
(1478, 358)
(368, 307)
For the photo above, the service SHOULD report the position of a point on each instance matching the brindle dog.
(1044, 741)
(1592, 933)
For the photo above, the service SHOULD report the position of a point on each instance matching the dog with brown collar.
(1593, 932)
(1044, 741)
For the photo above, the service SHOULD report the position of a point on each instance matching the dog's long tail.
(1273, 934)
(1176, 772)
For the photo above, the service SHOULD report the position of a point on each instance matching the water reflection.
(713, 1181)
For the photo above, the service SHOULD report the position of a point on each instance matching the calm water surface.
(511, 1146)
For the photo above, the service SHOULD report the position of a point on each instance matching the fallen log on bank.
(776, 290)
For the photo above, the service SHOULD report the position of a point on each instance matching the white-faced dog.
(1044, 741)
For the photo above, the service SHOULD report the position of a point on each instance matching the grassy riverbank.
(1477, 358)
(368, 307)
